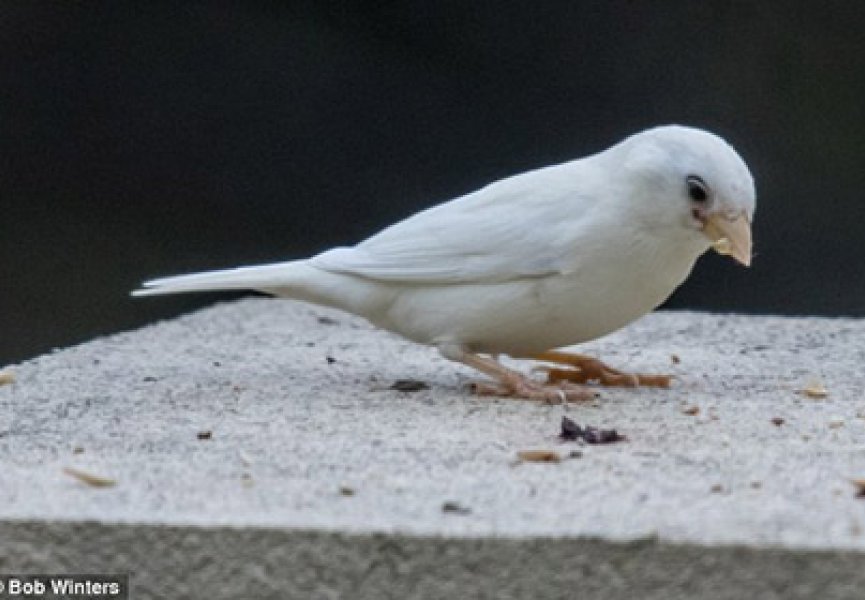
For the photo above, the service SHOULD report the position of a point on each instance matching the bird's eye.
(697, 188)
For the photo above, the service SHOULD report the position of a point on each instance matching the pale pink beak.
(730, 237)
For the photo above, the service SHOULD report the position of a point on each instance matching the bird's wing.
(524, 226)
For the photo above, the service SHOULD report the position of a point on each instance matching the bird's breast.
(597, 299)
(526, 316)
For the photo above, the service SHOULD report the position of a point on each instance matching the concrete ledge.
(320, 481)
(230, 563)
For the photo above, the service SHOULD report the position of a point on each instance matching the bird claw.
(584, 370)
(548, 393)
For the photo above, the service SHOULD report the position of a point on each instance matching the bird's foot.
(520, 386)
(583, 369)
(513, 384)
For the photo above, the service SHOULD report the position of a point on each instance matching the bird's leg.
(585, 369)
(511, 383)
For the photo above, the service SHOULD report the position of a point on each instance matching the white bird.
(534, 262)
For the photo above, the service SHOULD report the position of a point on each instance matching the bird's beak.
(730, 236)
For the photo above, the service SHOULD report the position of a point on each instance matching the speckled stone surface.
(310, 447)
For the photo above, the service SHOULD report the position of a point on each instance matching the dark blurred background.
(145, 139)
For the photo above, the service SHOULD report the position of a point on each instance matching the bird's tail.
(262, 278)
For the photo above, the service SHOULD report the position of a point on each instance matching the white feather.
(548, 258)
(523, 226)
(242, 278)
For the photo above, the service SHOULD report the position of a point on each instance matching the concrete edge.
(224, 562)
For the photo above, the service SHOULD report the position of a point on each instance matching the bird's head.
(693, 183)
